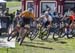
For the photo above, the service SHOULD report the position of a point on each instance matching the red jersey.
(72, 17)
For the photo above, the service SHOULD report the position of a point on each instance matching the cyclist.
(47, 20)
(72, 18)
(47, 23)
(27, 17)
(70, 22)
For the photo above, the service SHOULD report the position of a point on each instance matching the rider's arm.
(22, 14)
(50, 20)
(33, 16)
(40, 17)
(65, 17)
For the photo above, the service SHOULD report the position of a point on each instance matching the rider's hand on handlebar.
(48, 26)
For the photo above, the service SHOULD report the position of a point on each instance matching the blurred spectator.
(20, 10)
(7, 12)
(17, 12)
(12, 15)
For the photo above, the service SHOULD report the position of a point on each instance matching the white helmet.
(46, 13)
(30, 9)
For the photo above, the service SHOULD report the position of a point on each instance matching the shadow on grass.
(62, 42)
(37, 46)
(51, 41)
(48, 40)
(33, 43)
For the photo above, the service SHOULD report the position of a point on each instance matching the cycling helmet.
(46, 13)
(30, 9)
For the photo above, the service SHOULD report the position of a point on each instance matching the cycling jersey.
(72, 17)
(27, 14)
(46, 21)
(27, 18)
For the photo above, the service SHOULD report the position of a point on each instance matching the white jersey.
(46, 19)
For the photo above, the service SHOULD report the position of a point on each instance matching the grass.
(13, 4)
(13, 10)
(39, 46)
